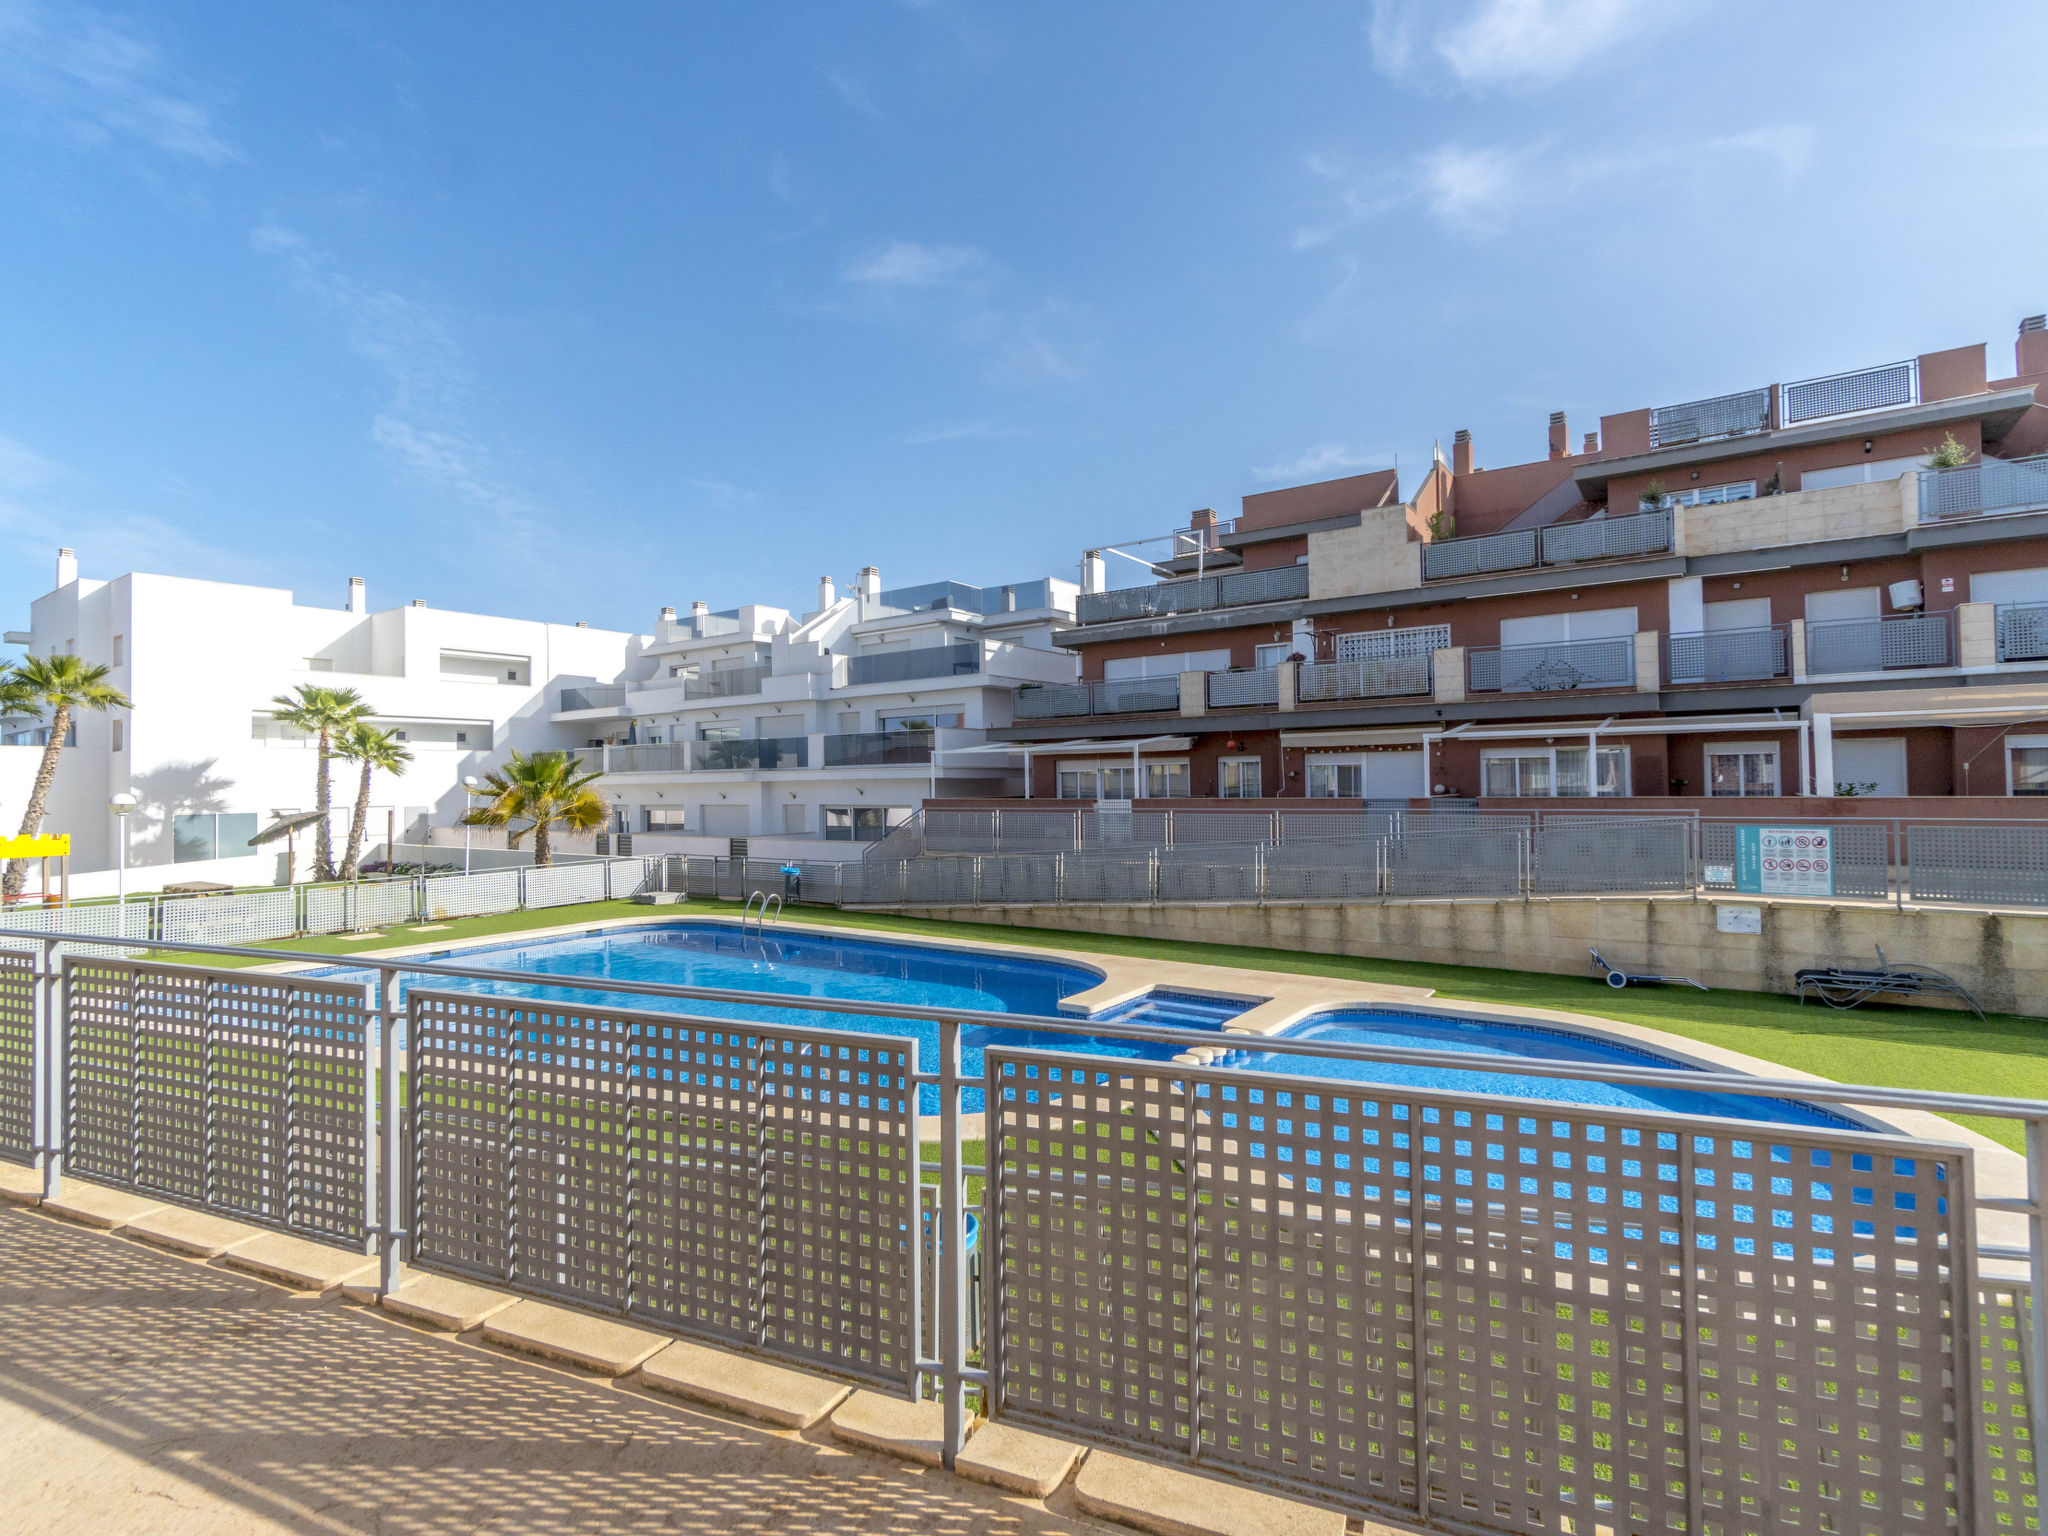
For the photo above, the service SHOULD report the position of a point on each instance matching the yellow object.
(48, 846)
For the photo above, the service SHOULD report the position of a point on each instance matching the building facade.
(1831, 587)
(202, 751)
(829, 726)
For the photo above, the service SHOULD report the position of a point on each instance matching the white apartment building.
(826, 727)
(208, 763)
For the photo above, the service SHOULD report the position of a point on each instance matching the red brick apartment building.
(1833, 587)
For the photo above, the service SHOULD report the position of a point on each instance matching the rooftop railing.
(1598, 538)
(730, 683)
(1849, 394)
(1985, 488)
(1391, 677)
(1243, 689)
(960, 660)
(1279, 584)
(1706, 421)
(1121, 696)
(594, 696)
(1880, 644)
(2023, 632)
(1729, 655)
(1554, 668)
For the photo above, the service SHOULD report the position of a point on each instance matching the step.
(299, 1263)
(573, 1338)
(192, 1233)
(1007, 1457)
(454, 1306)
(1169, 1502)
(92, 1206)
(891, 1425)
(20, 1185)
(753, 1389)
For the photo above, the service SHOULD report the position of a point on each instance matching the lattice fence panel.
(17, 1055)
(1561, 1320)
(325, 1108)
(247, 1089)
(168, 1013)
(99, 1069)
(757, 1186)
(2007, 1479)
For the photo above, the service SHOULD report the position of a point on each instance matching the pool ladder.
(760, 919)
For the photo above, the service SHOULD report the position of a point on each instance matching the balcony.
(594, 696)
(1124, 696)
(961, 660)
(1191, 596)
(1707, 421)
(1563, 667)
(1391, 677)
(2023, 632)
(1849, 394)
(653, 757)
(1880, 645)
(1729, 655)
(877, 749)
(1599, 538)
(731, 683)
(716, 756)
(1987, 488)
(1244, 689)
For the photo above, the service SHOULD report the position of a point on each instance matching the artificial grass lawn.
(1882, 1046)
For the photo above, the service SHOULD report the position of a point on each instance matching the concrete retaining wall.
(2002, 957)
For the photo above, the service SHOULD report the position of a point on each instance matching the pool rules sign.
(1785, 861)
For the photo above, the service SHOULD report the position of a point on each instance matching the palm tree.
(545, 791)
(321, 712)
(363, 743)
(62, 685)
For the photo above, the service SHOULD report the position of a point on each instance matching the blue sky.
(573, 311)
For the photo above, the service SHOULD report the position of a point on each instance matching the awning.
(1088, 748)
(1634, 725)
(1382, 736)
(2014, 705)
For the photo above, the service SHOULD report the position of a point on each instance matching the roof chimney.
(1461, 451)
(1592, 443)
(358, 597)
(419, 602)
(1094, 572)
(67, 567)
(827, 593)
(2032, 351)
(699, 609)
(668, 616)
(1560, 437)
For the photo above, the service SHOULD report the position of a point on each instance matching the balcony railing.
(961, 660)
(1189, 539)
(1849, 394)
(594, 696)
(1600, 538)
(1730, 655)
(2023, 632)
(774, 752)
(1989, 486)
(733, 682)
(1238, 690)
(1124, 696)
(1277, 585)
(1880, 645)
(1706, 421)
(1557, 668)
(875, 749)
(1391, 677)
(651, 757)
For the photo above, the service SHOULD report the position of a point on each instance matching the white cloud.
(850, 90)
(948, 432)
(96, 80)
(1471, 189)
(907, 264)
(1323, 461)
(1485, 43)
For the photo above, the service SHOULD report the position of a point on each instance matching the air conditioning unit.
(1906, 594)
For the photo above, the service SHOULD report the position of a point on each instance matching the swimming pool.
(1490, 1037)
(717, 955)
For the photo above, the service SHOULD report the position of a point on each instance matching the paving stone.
(299, 1263)
(891, 1425)
(367, 1288)
(753, 1389)
(93, 1206)
(1174, 1503)
(193, 1233)
(454, 1305)
(1017, 1459)
(574, 1338)
(20, 1185)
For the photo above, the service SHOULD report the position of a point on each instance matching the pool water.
(1187, 1010)
(1434, 1032)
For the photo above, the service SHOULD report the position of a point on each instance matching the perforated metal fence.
(1552, 668)
(1598, 855)
(1237, 690)
(1842, 394)
(2003, 865)
(1606, 538)
(1876, 645)
(1444, 559)
(18, 982)
(1987, 486)
(1700, 421)
(1484, 1314)
(757, 1185)
(239, 1092)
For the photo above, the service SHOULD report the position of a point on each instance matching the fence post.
(950, 1233)
(522, 883)
(49, 1114)
(977, 879)
(1059, 879)
(390, 1234)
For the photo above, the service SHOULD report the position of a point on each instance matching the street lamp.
(469, 787)
(121, 805)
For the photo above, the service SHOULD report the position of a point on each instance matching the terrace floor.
(140, 1392)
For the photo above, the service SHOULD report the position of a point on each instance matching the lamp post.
(121, 805)
(469, 787)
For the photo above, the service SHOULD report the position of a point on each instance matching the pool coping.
(1288, 999)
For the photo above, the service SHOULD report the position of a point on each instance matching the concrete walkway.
(140, 1392)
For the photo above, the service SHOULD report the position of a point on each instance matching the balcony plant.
(1950, 455)
(1441, 525)
(1651, 497)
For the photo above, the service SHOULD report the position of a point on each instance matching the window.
(120, 650)
(862, 823)
(1336, 779)
(319, 663)
(1166, 781)
(2027, 764)
(115, 731)
(1237, 778)
(923, 720)
(1092, 781)
(1711, 495)
(663, 818)
(1742, 769)
(718, 733)
(1521, 771)
(1862, 472)
(211, 835)
(1118, 668)
(1395, 774)
(1268, 656)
